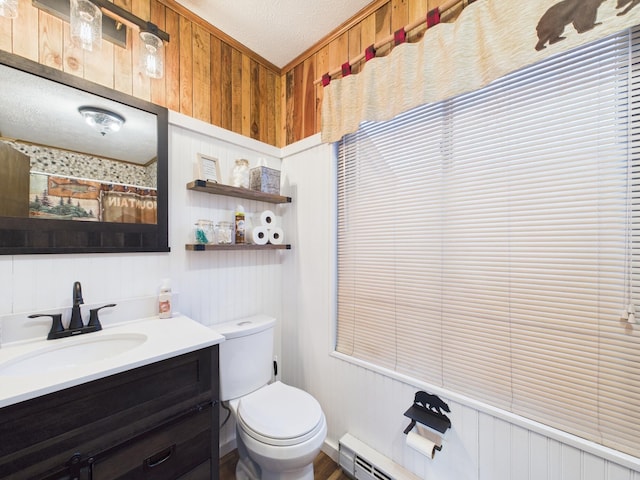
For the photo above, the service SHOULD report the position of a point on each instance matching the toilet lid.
(279, 414)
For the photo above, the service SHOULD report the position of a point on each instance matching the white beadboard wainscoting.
(483, 443)
(216, 287)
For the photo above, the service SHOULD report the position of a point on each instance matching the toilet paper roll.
(421, 444)
(259, 235)
(268, 219)
(276, 235)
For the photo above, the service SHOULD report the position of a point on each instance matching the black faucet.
(76, 325)
(76, 315)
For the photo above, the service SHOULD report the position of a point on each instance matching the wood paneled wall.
(208, 75)
(303, 99)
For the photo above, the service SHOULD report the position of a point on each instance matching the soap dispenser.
(164, 299)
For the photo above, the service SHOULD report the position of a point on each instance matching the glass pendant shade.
(9, 8)
(86, 25)
(151, 55)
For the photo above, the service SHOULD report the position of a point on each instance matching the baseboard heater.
(361, 462)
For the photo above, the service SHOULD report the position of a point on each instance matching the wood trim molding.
(175, 6)
(345, 27)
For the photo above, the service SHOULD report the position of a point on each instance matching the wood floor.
(324, 467)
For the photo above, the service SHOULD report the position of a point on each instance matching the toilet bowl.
(280, 429)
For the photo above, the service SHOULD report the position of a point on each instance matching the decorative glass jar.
(240, 173)
(203, 232)
(224, 233)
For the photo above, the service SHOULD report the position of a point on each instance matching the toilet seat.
(280, 415)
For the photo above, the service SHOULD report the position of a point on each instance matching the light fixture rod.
(60, 9)
(128, 18)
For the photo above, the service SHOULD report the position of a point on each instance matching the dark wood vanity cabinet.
(155, 422)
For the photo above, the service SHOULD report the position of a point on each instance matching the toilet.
(279, 428)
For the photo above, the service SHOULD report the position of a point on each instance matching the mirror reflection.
(80, 156)
(83, 168)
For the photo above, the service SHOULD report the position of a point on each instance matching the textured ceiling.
(277, 30)
(39, 111)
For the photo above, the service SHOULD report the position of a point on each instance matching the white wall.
(483, 444)
(218, 286)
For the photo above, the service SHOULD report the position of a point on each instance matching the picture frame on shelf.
(208, 168)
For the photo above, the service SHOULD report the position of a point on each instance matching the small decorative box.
(265, 179)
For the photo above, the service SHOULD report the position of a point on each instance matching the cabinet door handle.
(159, 458)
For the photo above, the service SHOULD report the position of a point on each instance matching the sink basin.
(72, 353)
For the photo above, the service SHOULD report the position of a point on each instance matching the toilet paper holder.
(427, 409)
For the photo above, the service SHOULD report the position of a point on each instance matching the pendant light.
(151, 54)
(86, 25)
(9, 8)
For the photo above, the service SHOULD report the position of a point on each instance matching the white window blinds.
(486, 243)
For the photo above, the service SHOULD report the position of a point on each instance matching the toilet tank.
(246, 355)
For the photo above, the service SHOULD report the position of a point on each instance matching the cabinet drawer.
(164, 453)
(201, 472)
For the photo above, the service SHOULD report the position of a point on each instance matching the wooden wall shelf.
(228, 190)
(198, 247)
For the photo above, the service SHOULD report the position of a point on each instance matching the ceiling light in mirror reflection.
(104, 121)
(29, 103)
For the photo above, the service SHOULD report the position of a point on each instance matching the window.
(486, 243)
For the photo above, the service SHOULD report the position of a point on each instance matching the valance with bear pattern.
(490, 39)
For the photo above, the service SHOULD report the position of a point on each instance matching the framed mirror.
(83, 168)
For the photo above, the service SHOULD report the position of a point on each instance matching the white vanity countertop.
(165, 338)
